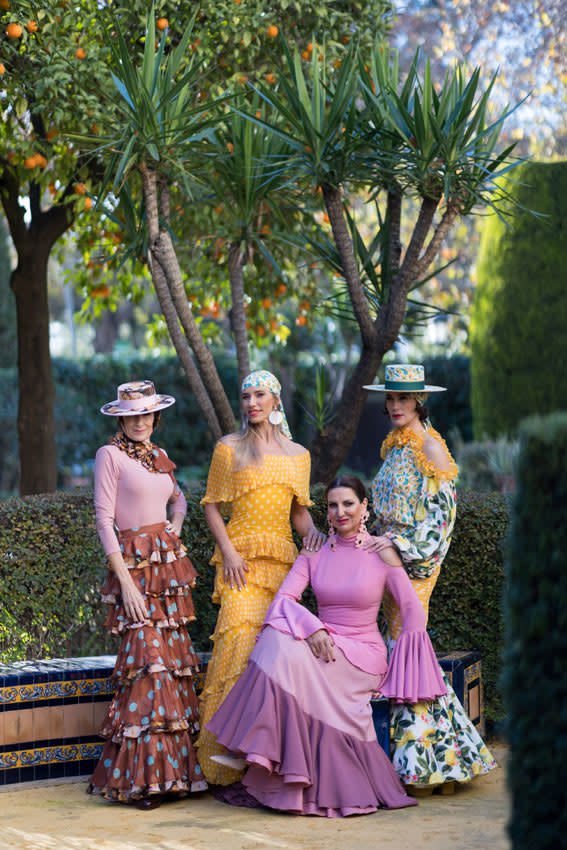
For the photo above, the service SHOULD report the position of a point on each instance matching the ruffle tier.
(154, 711)
(267, 555)
(298, 762)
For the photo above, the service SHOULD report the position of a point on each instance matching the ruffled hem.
(413, 673)
(149, 650)
(297, 762)
(260, 546)
(152, 764)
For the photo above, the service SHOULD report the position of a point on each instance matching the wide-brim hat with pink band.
(137, 398)
(404, 378)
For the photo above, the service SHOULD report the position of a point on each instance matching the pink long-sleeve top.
(127, 495)
(349, 584)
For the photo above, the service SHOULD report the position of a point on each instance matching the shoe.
(147, 803)
(227, 760)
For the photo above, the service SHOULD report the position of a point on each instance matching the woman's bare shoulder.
(294, 449)
(230, 439)
(436, 453)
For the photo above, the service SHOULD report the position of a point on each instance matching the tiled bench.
(50, 716)
(51, 712)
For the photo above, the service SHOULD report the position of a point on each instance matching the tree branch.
(238, 315)
(439, 234)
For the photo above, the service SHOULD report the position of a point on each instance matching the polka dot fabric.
(259, 500)
(153, 717)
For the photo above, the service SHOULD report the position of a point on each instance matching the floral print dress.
(415, 506)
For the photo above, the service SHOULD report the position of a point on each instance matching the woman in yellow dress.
(261, 477)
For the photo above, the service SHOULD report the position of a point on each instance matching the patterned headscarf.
(262, 379)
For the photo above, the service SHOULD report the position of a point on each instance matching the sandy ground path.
(63, 817)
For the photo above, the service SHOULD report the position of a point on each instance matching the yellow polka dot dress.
(259, 500)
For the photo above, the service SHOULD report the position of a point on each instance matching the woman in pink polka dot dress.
(261, 478)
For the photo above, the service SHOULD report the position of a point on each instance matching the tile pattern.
(50, 714)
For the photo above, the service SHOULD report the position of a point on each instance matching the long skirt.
(153, 717)
(432, 742)
(305, 728)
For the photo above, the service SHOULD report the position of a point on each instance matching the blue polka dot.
(161, 710)
(189, 711)
(133, 706)
(197, 769)
(116, 773)
(173, 582)
(175, 764)
(160, 659)
(150, 759)
(142, 581)
(156, 571)
(157, 773)
(140, 635)
(127, 647)
(127, 774)
(184, 751)
(145, 721)
(146, 739)
(107, 762)
(153, 714)
(150, 694)
(156, 642)
(130, 659)
(160, 747)
(170, 642)
(158, 684)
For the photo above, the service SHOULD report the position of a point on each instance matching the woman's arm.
(303, 524)
(235, 567)
(134, 602)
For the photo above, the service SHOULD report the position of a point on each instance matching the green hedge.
(518, 337)
(51, 565)
(535, 605)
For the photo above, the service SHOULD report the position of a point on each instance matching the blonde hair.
(247, 450)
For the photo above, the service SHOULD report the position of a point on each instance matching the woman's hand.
(134, 602)
(321, 645)
(235, 569)
(314, 539)
(175, 524)
(386, 549)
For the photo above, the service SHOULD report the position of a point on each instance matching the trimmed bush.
(52, 565)
(518, 323)
(535, 606)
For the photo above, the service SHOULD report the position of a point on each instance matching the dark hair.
(351, 481)
(422, 411)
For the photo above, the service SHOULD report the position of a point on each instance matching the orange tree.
(356, 125)
(54, 71)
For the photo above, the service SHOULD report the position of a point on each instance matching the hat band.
(404, 385)
(137, 403)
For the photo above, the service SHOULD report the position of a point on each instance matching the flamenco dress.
(304, 725)
(415, 505)
(258, 500)
(153, 717)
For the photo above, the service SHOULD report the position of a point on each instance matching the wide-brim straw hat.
(404, 378)
(135, 399)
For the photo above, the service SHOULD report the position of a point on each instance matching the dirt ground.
(63, 817)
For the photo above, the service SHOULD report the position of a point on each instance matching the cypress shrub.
(52, 566)
(520, 308)
(535, 608)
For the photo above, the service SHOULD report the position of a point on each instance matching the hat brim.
(380, 388)
(113, 408)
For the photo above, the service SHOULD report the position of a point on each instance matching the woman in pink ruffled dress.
(154, 714)
(299, 716)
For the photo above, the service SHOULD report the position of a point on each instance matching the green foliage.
(51, 565)
(535, 608)
(520, 310)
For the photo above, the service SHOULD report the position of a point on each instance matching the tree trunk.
(36, 419)
(238, 316)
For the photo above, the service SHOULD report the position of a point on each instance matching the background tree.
(518, 341)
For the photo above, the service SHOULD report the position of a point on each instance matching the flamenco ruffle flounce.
(305, 728)
(154, 713)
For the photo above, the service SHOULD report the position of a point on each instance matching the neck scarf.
(149, 455)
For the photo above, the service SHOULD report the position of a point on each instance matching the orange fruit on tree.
(162, 24)
(273, 324)
(266, 303)
(80, 53)
(40, 160)
(79, 188)
(305, 305)
(32, 26)
(100, 291)
(301, 321)
(88, 203)
(230, 147)
(260, 330)
(2, 69)
(306, 55)
(4, 5)
(281, 289)
(30, 162)
(51, 133)
(270, 78)
(14, 31)
(272, 31)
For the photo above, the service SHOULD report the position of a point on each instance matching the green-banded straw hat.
(404, 378)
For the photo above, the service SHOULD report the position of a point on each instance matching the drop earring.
(332, 535)
(362, 529)
(275, 417)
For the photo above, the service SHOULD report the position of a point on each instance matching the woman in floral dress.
(261, 478)
(415, 505)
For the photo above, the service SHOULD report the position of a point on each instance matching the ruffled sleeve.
(424, 545)
(302, 476)
(413, 673)
(285, 613)
(220, 481)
